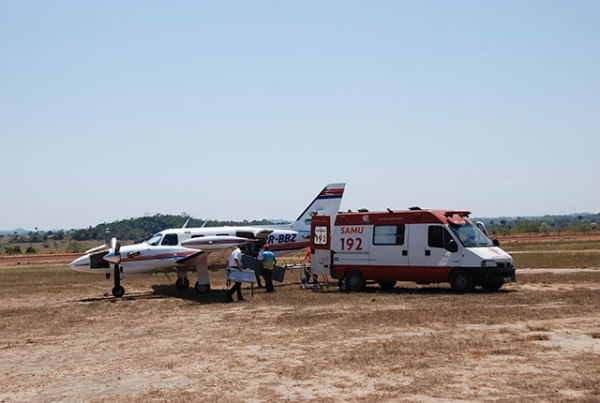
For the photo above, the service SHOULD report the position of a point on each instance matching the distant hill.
(138, 229)
(19, 231)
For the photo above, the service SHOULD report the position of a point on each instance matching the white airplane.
(182, 250)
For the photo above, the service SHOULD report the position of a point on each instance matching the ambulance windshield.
(471, 236)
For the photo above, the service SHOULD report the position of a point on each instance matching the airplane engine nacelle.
(215, 242)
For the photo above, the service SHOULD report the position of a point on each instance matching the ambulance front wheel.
(355, 280)
(461, 282)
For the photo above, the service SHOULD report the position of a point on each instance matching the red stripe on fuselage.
(160, 256)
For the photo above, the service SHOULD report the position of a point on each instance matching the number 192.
(351, 243)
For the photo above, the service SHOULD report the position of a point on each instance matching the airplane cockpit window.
(154, 239)
(170, 239)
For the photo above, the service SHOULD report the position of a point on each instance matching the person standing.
(235, 263)
(268, 260)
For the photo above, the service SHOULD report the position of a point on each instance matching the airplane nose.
(111, 257)
(81, 263)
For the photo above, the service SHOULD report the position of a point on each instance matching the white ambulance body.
(424, 246)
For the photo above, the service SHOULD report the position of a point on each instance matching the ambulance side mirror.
(452, 246)
(496, 242)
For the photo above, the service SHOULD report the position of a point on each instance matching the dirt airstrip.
(64, 338)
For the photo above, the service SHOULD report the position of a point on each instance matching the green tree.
(15, 250)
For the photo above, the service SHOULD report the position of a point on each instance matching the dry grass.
(578, 253)
(63, 339)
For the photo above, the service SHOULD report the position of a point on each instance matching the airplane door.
(320, 245)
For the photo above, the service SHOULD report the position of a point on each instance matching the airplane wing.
(101, 248)
(189, 258)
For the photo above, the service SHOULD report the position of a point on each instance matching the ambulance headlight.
(488, 263)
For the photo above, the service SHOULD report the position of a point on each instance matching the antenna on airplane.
(186, 223)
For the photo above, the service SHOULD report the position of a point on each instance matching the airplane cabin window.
(170, 239)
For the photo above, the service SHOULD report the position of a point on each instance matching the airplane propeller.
(114, 256)
(116, 247)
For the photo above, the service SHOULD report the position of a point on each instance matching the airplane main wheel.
(182, 283)
(201, 288)
(118, 291)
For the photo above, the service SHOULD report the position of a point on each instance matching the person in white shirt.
(235, 262)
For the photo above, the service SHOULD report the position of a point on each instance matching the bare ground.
(64, 339)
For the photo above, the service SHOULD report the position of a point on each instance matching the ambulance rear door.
(320, 245)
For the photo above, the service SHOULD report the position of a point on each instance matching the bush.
(14, 250)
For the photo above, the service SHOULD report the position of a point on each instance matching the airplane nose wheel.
(118, 291)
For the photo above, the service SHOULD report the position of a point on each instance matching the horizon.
(27, 231)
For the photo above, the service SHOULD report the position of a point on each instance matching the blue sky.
(245, 109)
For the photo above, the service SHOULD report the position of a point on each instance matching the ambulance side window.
(388, 234)
(438, 236)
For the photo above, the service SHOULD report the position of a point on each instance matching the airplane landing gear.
(201, 288)
(118, 291)
(182, 283)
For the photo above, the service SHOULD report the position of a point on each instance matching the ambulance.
(416, 245)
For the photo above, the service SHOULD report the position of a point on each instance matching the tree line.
(141, 228)
(576, 223)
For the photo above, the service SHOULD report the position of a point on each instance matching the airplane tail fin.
(326, 203)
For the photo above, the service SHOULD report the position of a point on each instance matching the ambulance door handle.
(404, 252)
(427, 253)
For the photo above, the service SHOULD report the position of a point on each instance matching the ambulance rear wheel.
(355, 280)
(461, 282)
